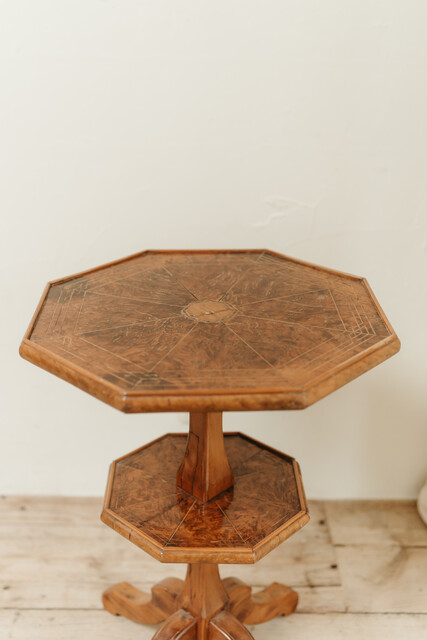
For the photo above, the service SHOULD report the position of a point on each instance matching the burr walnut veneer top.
(263, 508)
(209, 330)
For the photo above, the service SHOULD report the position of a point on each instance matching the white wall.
(298, 125)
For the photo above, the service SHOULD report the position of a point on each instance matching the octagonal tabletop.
(265, 506)
(209, 330)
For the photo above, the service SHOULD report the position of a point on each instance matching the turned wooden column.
(205, 471)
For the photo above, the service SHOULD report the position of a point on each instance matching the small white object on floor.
(422, 503)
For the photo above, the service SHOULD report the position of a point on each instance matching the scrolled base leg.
(272, 602)
(123, 599)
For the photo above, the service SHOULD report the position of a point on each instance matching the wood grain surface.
(205, 471)
(265, 505)
(209, 330)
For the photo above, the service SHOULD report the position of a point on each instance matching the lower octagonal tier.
(265, 506)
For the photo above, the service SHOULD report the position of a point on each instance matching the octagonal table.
(206, 332)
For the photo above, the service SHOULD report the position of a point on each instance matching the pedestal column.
(205, 471)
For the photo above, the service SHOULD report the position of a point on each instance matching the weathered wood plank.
(69, 625)
(55, 552)
(344, 627)
(360, 522)
(73, 571)
(98, 625)
(57, 511)
(384, 579)
(56, 556)
(321, 600)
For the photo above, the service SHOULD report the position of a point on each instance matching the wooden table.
(206, 332)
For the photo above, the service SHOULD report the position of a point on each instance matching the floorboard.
(360, 568)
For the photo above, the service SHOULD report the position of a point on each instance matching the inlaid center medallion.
(209, 311)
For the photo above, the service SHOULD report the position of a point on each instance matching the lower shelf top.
(264, 507)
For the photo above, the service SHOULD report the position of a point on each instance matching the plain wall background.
(298, 125)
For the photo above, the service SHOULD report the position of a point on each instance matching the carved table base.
(203, 607)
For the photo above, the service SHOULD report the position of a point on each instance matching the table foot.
(180, 626)
(204, 607)
(273, 601)
(123, 599)
(224, 626)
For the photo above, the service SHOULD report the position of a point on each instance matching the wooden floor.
(360, 569)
